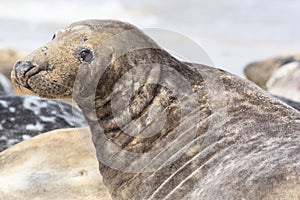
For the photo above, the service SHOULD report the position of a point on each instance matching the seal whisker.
(61, 85)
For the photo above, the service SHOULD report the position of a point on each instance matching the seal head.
(51, 70)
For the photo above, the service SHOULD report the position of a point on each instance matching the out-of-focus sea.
(231, 32)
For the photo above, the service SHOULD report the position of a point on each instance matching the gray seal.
(261, 71)
(163, 128)
(57, 167)
(285, 82)
(279, 76)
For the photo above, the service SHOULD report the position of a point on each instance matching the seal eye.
(85, 55)
(54, 36)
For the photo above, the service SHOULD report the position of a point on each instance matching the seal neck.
(137, 98)
(130, 95)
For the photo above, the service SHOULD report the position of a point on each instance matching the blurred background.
(231, 32)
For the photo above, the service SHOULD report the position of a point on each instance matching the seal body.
(278, 75)
(45, 176)
(261, 71)
(285, 82)
(24, 117)
(166, 129)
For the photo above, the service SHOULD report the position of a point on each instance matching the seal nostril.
(18, 63)
(22, 67)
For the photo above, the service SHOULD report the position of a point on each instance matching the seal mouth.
(24, 71)
(32, 72)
